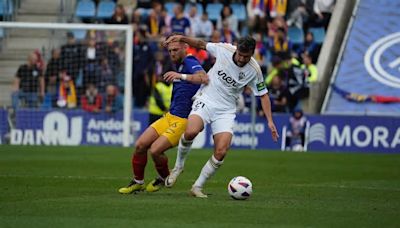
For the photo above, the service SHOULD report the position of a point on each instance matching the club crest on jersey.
(227, 79)
(180, 68)
(241, 75)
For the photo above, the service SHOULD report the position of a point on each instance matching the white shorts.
(220, 120)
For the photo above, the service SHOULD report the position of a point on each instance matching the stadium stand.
(146, 44)
(105, 9)
(198, 6)
(296, 35)
(19, 43)
(79, 34)
(169, 6)
(319, 34)
(214, 11)
(6, 8)
(239, 10)
(85, 9)
(369, 63)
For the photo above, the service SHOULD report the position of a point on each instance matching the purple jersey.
(183, 91)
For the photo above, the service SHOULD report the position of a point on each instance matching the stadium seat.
(169, 6)
(198, 6)
(85, 9)
(214, 11)
(1, 33)
(296, 35)
(319, 34)
(144, 14)
(239, 10)
(105, 9)
(79, 34)
(244, 31)
(6, 8)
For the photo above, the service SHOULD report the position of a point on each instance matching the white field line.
(322, 185)
(82, 177)
(344, 186)
(62, 177)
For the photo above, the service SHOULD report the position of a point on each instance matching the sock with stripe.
(183, 150)
(208, 171)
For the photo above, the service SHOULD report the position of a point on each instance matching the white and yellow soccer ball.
(240, 188)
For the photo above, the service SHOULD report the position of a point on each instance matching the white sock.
(139, 181)
(183, 150)
(208, 171)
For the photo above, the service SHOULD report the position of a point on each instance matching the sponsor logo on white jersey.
(225, 78)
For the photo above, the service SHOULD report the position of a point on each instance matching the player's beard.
(177, 60)
(237, 63)
(240, 64)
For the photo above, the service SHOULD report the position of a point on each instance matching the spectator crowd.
(78, 75)
(88, 73)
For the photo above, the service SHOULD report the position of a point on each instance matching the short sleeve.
(212, 48)
(258, 85)
(217, 48)
(193, 65)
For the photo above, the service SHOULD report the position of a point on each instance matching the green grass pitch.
(77, 187)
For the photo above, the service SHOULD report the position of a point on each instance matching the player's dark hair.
(246, 44)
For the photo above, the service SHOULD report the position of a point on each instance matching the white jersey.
(227, 80)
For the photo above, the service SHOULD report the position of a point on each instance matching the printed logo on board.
(358, 136)
(382, 60)
(317, 133)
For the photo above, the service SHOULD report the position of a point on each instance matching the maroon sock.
(139, 162)
(161, 164)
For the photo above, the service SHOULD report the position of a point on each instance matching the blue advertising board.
(370, 64)
(354, 134)
(72, 128)
(327, 132)
(4, 127)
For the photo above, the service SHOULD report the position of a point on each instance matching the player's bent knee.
(220, 153)
(190, 134)
(140, 147)
(154, 152)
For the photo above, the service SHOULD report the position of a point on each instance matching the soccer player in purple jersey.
(166, 132)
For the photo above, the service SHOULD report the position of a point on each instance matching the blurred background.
(334, 61)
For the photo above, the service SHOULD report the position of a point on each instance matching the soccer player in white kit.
(215, 103)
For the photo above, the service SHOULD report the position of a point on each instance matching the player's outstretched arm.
(199, 77)
(193, 42)
(266, 106)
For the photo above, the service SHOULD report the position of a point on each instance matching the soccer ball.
(240, 188)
